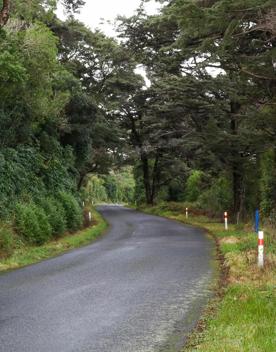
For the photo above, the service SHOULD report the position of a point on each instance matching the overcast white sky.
(96, 10)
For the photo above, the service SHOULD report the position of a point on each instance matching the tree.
(243, 49)
(4, 12)
(207, 113)
(73, 6)
(99, 64)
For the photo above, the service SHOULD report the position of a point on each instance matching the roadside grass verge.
(241, 317)
(25, 254)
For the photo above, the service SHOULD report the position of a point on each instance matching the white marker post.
(90, 216)
(261, 249)
(226, 220)
(187, 213)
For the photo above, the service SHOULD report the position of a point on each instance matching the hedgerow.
(73, 211)
(32, 223)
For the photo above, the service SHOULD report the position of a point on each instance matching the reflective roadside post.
(260, 249)
(187, 213)
(226, 220)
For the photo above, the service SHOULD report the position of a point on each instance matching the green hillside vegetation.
(57, 125)
(76, 118)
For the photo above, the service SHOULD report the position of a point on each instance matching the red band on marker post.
(260, 249)
(226, 220)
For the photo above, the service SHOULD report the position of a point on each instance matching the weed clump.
(73, 211)
(6, 241)
(32, 223)
(55, 214)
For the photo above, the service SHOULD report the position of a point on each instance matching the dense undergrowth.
(241, 317)
(23, 253)
(35, 223)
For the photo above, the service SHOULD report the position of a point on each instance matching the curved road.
(138, 289)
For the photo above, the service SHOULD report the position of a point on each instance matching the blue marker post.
(257, 220)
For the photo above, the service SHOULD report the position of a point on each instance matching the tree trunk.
(237, 189)
(81, 181)
(155, 179)
(146, 178)
(144, 160)
(236, 163)
(4, 13)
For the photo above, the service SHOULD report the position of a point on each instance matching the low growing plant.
(31, 222)
(55, 214)
(73, 211)
(6, 241)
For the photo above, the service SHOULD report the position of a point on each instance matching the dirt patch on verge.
(229, 240)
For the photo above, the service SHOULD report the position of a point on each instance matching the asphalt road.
(139, 289)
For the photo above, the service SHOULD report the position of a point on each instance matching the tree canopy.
(73, 96)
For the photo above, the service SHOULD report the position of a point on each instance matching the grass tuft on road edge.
(26, 255)
(242, 316)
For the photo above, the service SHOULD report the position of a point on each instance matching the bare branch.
(258, 76)
(268, 23)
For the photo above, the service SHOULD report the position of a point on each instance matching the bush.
(73, 211)
(218, 197)
(194, 186)
(6, 241)
(19, 170)
(55, 214)
(23, 174)
(175, 191)
(43, 223)
(32, 223)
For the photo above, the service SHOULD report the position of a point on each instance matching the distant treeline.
(117, 187)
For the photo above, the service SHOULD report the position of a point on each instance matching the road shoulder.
(241, 316)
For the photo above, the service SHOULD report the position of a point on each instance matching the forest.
(78, 124)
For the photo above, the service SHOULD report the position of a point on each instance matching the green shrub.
(23, 174)
(73, 211)
(194, 186)
(218, 197)
(43, 223)
(19, 169)
(55, 214)
(175, 191)
(32, 223)
(6, 241)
